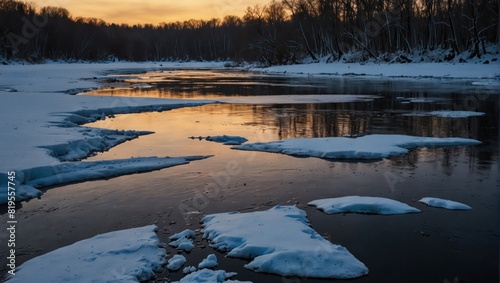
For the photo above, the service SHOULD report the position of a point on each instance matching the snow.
(227, 140)
(131, 255)
(366, 147)
(413, 70)
(41, 122)
(444, 203)
(210, 276)
(183, 240)
(447, 114)
(280, 241)
(367, 205)
(209, 262)
(176, 262)
(68, 172)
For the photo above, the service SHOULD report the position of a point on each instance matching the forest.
(281, 32)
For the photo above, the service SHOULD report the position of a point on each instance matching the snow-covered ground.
(357, 204)
(366, 147)
(131, 255)
(414, 70)
(444, 203)
(176, 262)
(280, 241)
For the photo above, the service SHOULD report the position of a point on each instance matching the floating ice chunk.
(280, 241)
(130, 255)
(210, 276)
(357, 204)
(189, 269)
(227, 140)
(447, 114)
(444, 203)
(209, 262)
(176, 262)
(183, 240)
(366, 147)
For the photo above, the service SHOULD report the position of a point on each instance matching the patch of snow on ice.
(447, 114)
(210, 276)
(176, 262)
(357, 204)
(280, 241)
(444, 203)
(131, 255)
(209, 262)
(183, 240)
(227, 140)
(366, 147)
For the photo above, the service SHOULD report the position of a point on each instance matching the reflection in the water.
(378, 116)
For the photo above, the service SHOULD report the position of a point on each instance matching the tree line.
(281, 32)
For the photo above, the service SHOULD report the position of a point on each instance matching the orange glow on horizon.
(152, 11)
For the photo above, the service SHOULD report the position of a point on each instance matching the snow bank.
(227, 140)
(447, 114)
(444, 203)
(69, 172)
(131, 255)
(176, 262)
(366, 147)
(280, 241)
(183, 240)
(210, 276)
(413, 70)
(209, 262)
(357, 204)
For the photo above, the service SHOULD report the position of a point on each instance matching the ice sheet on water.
(444, 203)
(68, 172)
(357, 204)
(210, 276)
(131, 255)
(366, 147)
(280, 241)
(447, 114)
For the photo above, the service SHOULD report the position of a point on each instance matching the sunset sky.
(152, 11)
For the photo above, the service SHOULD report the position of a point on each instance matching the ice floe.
(227, 140)
(280, 241)
(176, 262)
(210, 276)
(131, 255)
(358, 204)
(447, 114)
(68, 172)
(183, 240)
(298, 99)
(209, 262)
(444, 203)
(366, 147)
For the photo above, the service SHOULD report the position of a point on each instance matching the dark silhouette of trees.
(281, 32)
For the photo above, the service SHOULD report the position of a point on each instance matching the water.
(433, 246)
